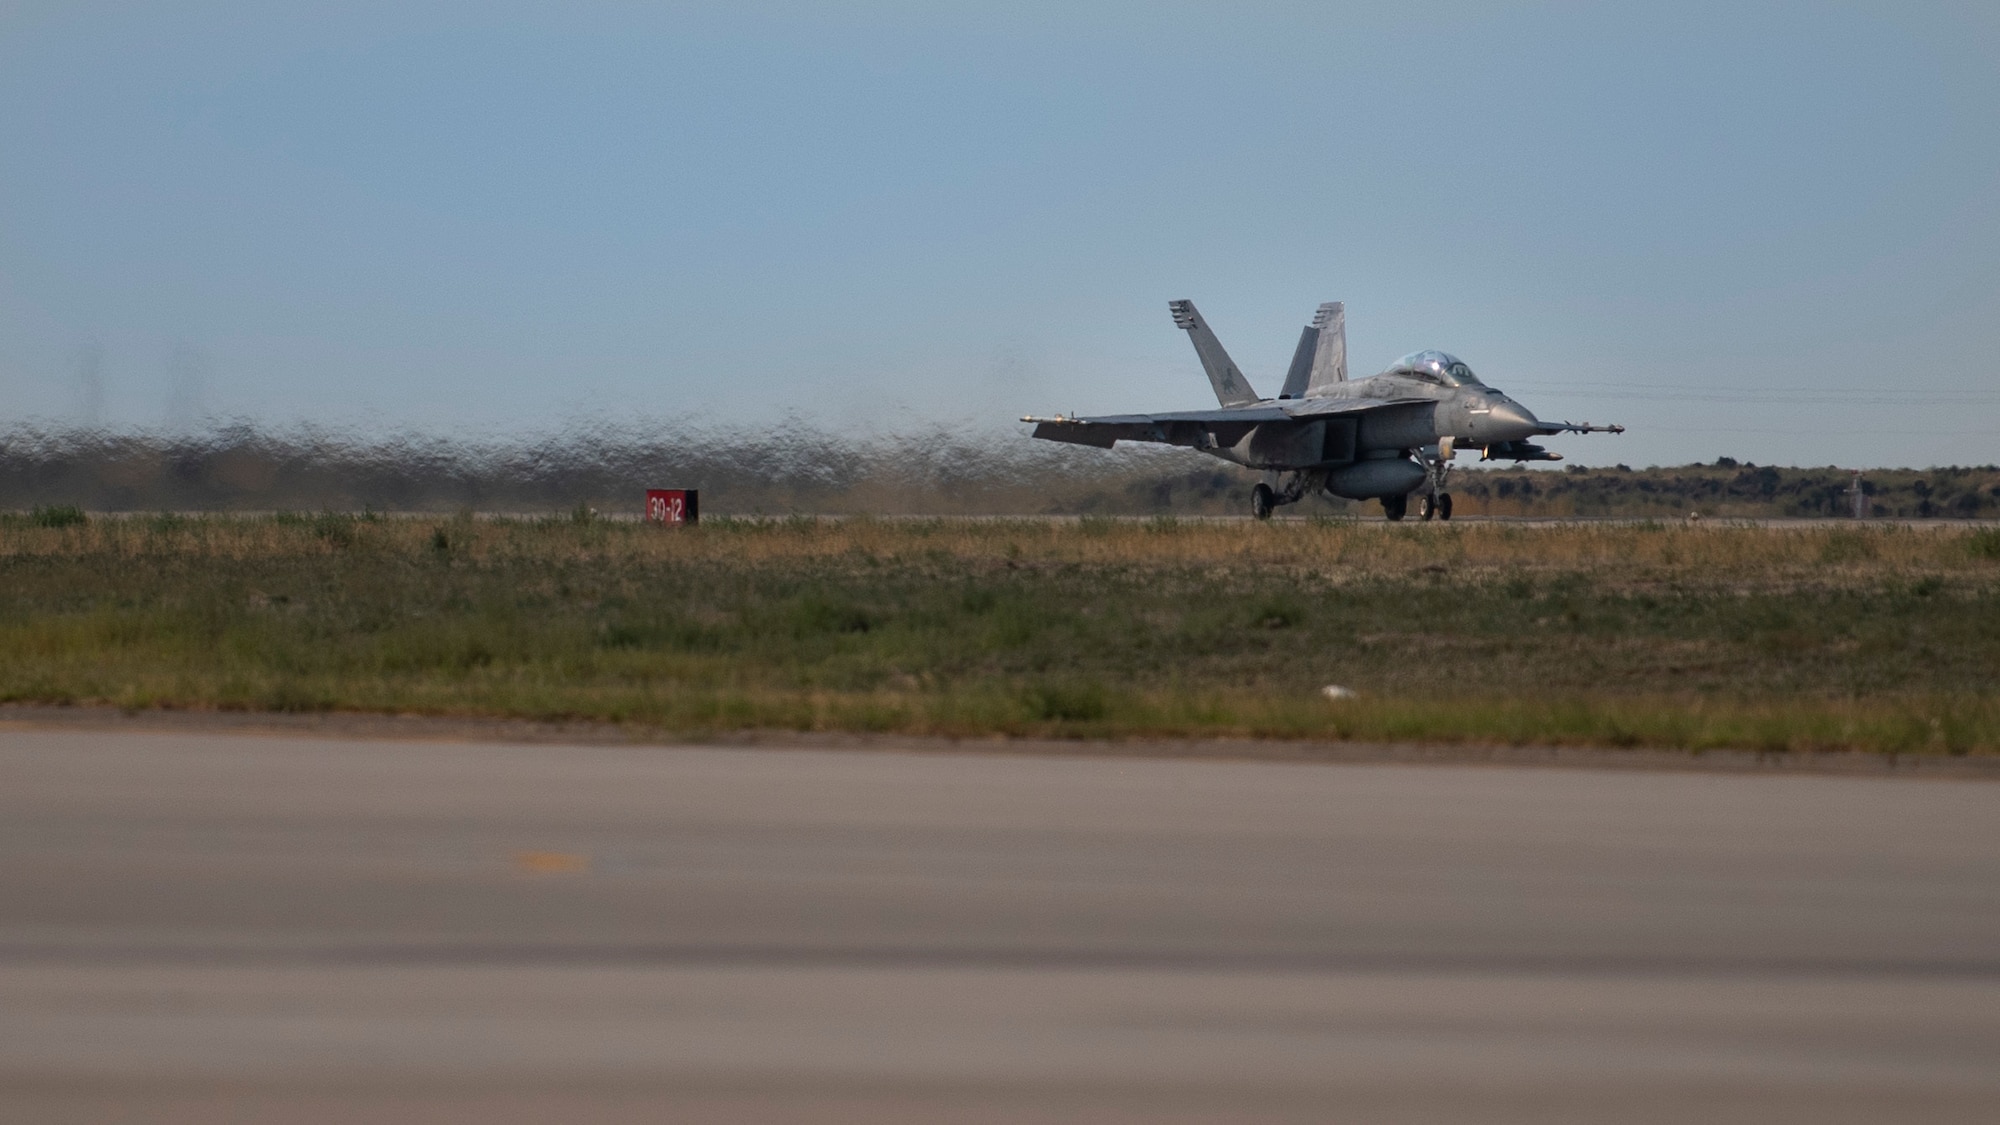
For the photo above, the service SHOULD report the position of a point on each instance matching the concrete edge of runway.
(439, 728)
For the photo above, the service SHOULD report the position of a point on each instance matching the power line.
(1770, 398)
(1697, 392)
(1815, 431)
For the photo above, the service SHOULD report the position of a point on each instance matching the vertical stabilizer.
(1231, 388)
(1300, 374)
(1329, 364)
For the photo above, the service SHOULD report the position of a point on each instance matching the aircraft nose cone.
(1510, 421)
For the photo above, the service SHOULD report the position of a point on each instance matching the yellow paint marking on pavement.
(550, 863)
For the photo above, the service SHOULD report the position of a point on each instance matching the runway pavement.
(248, 928)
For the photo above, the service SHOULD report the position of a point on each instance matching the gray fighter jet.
(1384, 437)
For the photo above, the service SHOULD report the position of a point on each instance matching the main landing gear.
(1279, 489)
(1428, 506)
(1290, 489)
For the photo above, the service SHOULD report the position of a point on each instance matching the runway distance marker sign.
(673, 506)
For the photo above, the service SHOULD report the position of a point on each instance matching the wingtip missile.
(1579, 428)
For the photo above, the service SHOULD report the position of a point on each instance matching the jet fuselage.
(1381, 437)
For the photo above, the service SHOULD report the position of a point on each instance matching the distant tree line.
(795, 467)
(1731, 488)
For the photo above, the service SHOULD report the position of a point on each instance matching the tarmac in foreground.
(208, 928)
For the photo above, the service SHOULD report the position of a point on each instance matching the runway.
(232, 927)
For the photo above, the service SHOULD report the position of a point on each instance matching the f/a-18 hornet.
(1383, 437)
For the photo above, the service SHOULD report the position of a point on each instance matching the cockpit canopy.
(1436, 367)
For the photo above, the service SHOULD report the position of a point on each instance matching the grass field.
(1871, 637)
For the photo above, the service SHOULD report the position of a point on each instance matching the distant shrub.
(1278, 613)
(1846, 547)
(1984, 543)
(1072, 703)
(814, 615)
(337, 528)
(58, 515)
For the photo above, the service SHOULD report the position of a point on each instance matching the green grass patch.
(1881, 639)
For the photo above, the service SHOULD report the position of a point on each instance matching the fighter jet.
(1384, 437)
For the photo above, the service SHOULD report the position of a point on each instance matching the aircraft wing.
(1201, 429)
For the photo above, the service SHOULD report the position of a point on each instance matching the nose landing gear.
(1437, 467)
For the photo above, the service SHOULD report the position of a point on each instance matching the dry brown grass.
(1327, 550)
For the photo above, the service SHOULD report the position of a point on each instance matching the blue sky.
(1768, 231)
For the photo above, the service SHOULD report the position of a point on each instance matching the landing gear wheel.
(1262, 500)
(1426, 508)
(1395, 507)
(1444, 505)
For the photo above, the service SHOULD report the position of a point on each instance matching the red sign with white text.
(673, 505)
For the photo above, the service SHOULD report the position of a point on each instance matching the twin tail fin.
(1231, 388)
(1319, 362)
(1329, 361)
